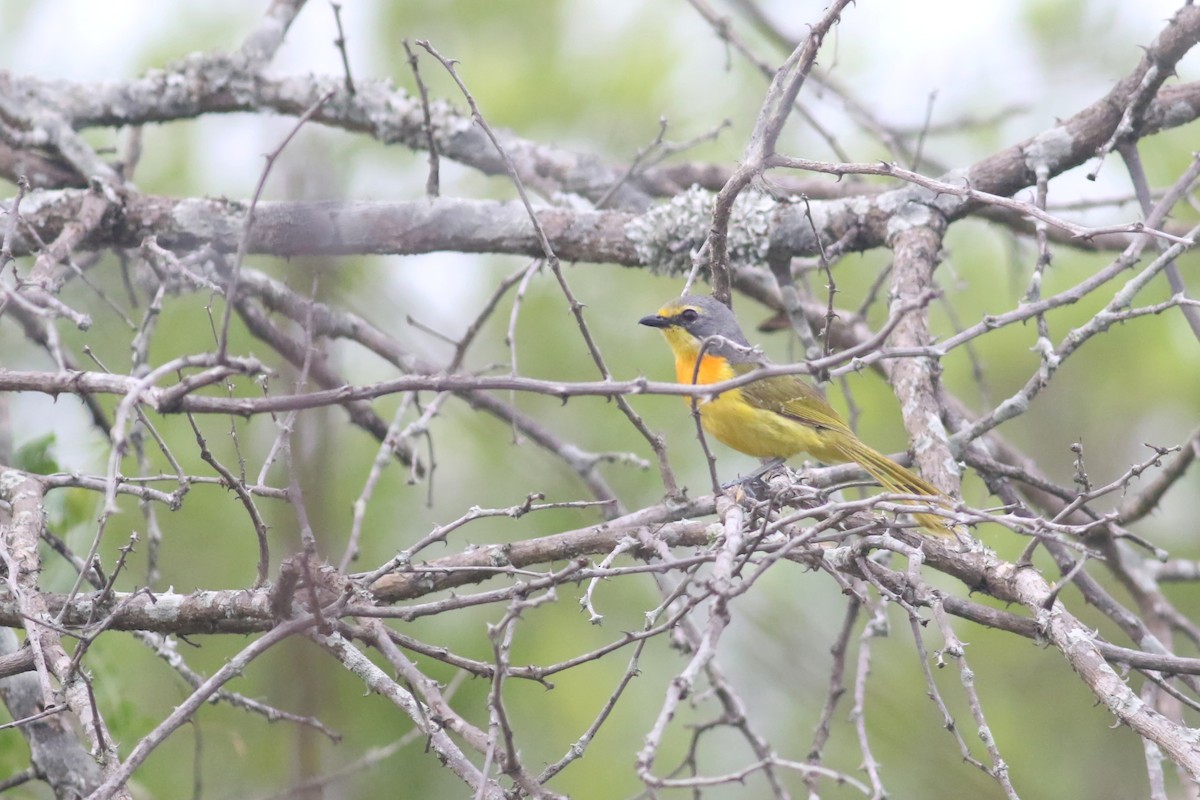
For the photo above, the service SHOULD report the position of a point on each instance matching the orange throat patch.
(713, 369)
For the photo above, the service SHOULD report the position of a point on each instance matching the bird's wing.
(791, 397)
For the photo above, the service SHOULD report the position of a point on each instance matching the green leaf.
(36, 456)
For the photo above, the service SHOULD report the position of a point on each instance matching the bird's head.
(688, 320)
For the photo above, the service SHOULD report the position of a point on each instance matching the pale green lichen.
(10, 479)
(666, 236)
(1048, 148)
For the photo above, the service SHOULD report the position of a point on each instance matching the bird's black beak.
(655, 321)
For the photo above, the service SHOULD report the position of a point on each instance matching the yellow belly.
(759, 433)
(737, 424)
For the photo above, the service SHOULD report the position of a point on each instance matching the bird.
(778, 416)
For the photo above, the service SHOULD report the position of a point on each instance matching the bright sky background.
(977, 56)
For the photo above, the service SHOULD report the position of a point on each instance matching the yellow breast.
(736, 423)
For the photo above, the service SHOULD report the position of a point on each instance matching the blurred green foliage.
(560, 73)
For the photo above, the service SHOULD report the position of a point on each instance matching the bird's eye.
(689, 315)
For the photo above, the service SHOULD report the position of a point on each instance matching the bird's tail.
(897, 479)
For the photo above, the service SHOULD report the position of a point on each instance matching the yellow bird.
(776, 417)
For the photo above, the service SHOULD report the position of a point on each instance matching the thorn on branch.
(340, 44)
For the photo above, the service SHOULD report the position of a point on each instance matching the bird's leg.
(766, 467)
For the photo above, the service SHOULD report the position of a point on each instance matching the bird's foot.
(755, 480)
